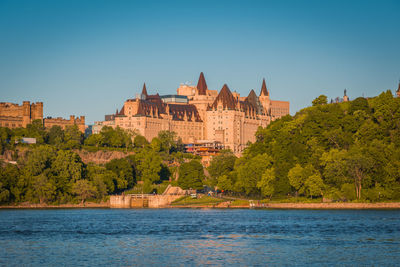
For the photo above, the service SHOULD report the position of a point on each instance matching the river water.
(192, 237)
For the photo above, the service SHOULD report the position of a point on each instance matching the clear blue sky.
(86, 57)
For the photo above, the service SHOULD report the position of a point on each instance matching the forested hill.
(341, 151)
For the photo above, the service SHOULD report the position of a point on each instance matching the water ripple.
(187, 237)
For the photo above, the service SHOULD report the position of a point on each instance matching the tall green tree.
(191, 175)
(73, 138)
(84, 190)
(221, 165)
(148, 166)
(249, 172)
(124, 171)
(321, 100)
(267, 183)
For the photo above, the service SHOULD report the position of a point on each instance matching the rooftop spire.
(398, 89)
(264, 90)
(202, 85)
(144, 90)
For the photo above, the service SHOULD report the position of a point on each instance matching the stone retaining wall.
(153, 201)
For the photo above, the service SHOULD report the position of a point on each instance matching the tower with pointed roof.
(264, 99)
(201, 85)
(345, 97)
(144, 94)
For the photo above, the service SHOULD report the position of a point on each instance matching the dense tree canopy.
(191, 175)
(341, 151)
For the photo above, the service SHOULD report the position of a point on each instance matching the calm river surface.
(170, 237)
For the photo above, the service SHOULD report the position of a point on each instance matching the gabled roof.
(225, 96)
(252, 98)
(202, 85)
(264, 90)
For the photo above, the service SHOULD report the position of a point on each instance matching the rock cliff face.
(98, 157)
(12, 156)
(101, 156)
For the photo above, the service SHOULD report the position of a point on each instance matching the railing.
(139, 195)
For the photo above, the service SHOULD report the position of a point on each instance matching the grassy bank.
(203, 201)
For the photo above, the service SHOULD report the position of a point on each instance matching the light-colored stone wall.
(123, 201)
(15, 115)
(63, 123)
(152, 201)
(11, 122)
(279, 109)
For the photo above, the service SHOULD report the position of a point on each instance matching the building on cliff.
(198, 113)
(15, 115)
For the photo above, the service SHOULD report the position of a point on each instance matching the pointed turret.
(202, 85)
(116, 112)
(345, 97)
(264, 91)
(144, 90)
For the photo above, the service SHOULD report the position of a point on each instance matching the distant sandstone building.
(197, 113)
(14, 116)
(79, 121)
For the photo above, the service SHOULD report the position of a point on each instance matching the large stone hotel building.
(196, 114)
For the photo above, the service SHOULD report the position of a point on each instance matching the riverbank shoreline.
(338, 205)
(300, 206)
(89, 205)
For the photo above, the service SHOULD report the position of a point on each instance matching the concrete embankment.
(142, 201)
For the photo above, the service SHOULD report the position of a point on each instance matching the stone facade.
(208, 115)
(14, 116)
(79, 121)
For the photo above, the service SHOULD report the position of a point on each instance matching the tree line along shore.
(344, 153)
